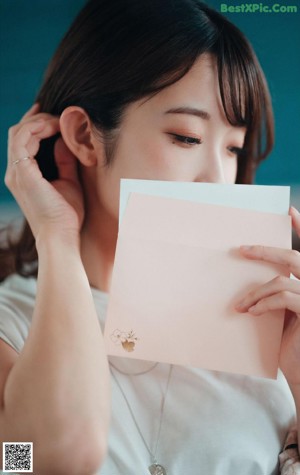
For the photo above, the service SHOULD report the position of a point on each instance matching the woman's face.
(180, 134)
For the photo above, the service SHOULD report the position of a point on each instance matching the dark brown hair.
(118, 51)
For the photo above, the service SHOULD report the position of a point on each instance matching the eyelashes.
(191, 141)
(186, 140)
(237, 151)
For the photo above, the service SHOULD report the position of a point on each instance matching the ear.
(77, 133)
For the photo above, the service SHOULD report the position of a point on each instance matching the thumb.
(295, 215)
(66, 161)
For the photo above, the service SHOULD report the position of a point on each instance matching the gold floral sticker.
(126, 339)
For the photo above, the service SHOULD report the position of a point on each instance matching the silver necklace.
(137, 373)
(155, 468)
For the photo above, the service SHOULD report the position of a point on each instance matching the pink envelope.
(177, 276)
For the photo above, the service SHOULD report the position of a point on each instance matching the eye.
(186, 140)
(236, 151)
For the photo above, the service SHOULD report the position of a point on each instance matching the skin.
(148, 148)
(81, 222)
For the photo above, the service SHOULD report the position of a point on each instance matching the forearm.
(58, 391)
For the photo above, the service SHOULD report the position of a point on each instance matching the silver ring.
(20, 160)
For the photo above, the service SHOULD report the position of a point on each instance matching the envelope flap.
(201, 224)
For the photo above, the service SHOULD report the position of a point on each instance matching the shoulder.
(18, 286)
(18, 293)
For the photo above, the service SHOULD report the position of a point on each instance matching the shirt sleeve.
(16, 309)
(12, 330)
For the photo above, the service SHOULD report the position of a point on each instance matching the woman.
(142, 89)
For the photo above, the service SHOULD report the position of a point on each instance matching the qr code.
(17, 456)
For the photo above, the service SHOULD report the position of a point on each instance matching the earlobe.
(76, 131)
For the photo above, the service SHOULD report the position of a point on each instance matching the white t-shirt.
(213, 423)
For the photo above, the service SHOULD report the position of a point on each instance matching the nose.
(211, 168)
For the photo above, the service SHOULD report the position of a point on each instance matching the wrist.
(49, 239)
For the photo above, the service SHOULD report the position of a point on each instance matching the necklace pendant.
(157, 469)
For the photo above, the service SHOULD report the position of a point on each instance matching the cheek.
(230, 171)
(146, 159)
(148, 163)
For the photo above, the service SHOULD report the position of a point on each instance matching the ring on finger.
(15, 162)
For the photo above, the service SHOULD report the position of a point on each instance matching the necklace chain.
(138, 373)
(162, 407)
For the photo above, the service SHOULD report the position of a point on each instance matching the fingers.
(22, 143)
(24, 139)
(66, 162)
(285, 257)
(33, 110)
(294, 213)
(280, 292)
(282, 300)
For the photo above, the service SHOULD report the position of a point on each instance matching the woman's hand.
(55, 207)
(280, 293)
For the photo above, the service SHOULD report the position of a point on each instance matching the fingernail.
(246, 248)
(254, 310)
(295, 210)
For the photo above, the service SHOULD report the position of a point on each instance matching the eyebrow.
(189, 110)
